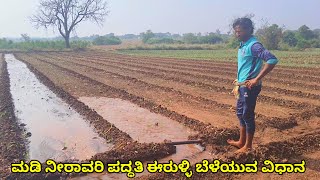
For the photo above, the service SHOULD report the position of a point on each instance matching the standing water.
(57, 131)
(145, 127)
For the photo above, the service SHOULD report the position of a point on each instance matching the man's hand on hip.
(251, 82)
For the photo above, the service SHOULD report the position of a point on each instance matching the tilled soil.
(12, 136)
(194, 93)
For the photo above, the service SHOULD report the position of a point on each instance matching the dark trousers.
(246, 105)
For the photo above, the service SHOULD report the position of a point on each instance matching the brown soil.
(12, 138)
(192, 93)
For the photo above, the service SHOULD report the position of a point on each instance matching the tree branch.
(65, 15)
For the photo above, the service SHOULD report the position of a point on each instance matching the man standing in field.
(251, 54)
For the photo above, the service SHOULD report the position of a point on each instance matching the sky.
(174, 16)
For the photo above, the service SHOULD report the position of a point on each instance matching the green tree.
(289, 38)
(146, 36)
(107, 40)
(302, 44)
(305, 32)
(315, 43)
(215, 37)
(190, 38)
(25, 37)
(317, 33)
(270, 36)
(233, 43)
(211, 38)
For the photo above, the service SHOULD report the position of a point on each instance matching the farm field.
(306, 58)
(139, 100)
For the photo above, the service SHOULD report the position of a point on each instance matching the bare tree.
(25, 37)
(65, 15)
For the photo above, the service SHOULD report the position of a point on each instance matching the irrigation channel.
(54, 130)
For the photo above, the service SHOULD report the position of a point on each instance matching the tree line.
(273, 37)
(66, 15)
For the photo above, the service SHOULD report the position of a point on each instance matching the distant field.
(307, 58)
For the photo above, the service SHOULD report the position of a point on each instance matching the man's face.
(241, 33)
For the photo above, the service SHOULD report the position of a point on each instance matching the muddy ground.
(12, 140)
(13, 144)
(193, 93)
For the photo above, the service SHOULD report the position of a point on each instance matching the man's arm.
(260, 52)
(266, 69)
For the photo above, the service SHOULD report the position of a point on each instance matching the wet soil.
(55, 131)
(12, 140)
(141, 124)
(293, 133)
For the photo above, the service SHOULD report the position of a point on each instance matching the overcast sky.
(175, 16)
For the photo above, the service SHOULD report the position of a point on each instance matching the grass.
(305, 58)
(222, 55)
(174, 47)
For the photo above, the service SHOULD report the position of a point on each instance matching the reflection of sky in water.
(141, 124)
(53, 125)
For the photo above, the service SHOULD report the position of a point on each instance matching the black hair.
(245, 23)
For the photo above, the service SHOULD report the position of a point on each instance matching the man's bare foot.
(237, 144)
(244, 149)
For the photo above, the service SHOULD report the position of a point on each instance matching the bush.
(190, 38)
(146, 36)
(233, 43)
(160, 41)
(41, 45)
(79, 45)
(5, 44)
(315, 43)
(104, 40)
(284, 46)
(303, 44)
(210, 39)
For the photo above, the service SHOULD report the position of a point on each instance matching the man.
(251, 55)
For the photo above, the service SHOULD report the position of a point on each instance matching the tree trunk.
(67, 40)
